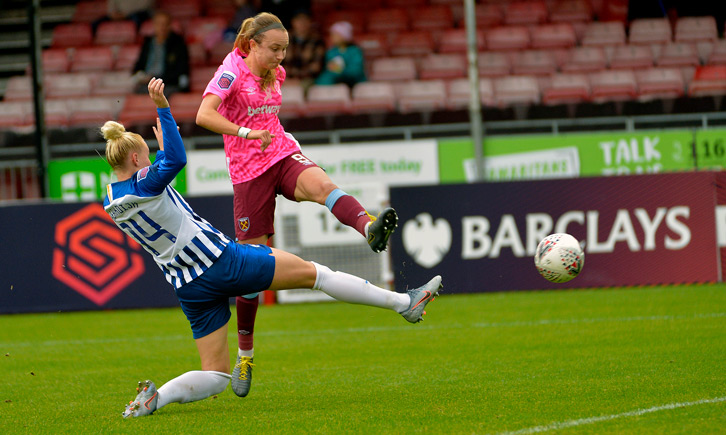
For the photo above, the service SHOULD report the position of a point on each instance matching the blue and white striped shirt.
(146, 208)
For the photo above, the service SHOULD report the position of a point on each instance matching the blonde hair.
(119, 143)
(249, 31)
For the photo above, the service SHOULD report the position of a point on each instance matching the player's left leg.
(191, 386)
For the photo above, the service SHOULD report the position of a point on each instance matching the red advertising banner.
(637, 230)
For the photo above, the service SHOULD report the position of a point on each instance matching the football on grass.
(559, 257)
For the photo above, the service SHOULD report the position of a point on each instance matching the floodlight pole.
(474, 99)
(41, 138)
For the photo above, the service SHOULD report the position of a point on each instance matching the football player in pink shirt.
(241, 102)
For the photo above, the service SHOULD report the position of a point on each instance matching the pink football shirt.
(245, 103)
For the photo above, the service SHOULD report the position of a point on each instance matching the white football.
(559, 257)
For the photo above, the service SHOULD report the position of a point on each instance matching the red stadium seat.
(613, 85)
(72, 35)
(328, 100)
(357, 4)
(718, 53)
(116, 83)
(568, 11)
(632, 56)
(90, 11)
(566, 89)
(55, 60)
(94, 111)
(126, 57)
(19, 88)
(387, 20)
(604, 33)
(508, 38)
(693, 29)
(197, 54)
(487, 16)
(679, 54)
(293, 100)
(650, 31)
(431, 18)
(443, 66)
(373, 45)
(57, 113)
(709, 80)
(525, 12)
(186, 106)
(69, 85)
(493, 64)
(373, 97)
(585, 59)
(224, 9)
(412, 44)
(200, 77)
(660, 83)
(460, 92)
(92, 59)
(137, 109)
(422, 96)
(393, 69)
(354, 17)
(513, 90)
(147, 28)
(553, 36)
(534, 62)
(15, 114)
(455, 41)
(181, 9)
(404, 3)
(116, 33)
(205, 30)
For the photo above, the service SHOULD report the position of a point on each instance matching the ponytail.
(254, 28)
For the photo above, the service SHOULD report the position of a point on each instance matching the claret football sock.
(348, 210)
(246, 314)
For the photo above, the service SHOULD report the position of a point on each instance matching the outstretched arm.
(172, 157)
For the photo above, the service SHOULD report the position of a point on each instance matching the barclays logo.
(425, 240)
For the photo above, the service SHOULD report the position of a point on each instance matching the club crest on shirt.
(225, 80)
(244, 224)
(143, 172)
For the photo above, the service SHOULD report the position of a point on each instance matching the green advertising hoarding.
(527, 157)
(86, 179)
(710, 149)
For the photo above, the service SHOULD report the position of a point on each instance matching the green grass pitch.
(640, 360)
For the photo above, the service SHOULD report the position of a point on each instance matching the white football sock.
(192, 386)
(354, 290)
(248, 353)
(368, 225)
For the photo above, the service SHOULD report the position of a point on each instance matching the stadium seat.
(147, 28)
(493, 64)
(693, 29)
(57, 113)
(217, 54)
(357, 4)
(55, 60)
(422, 96)
(387, 20)
(89, 11)
(604, 33)
(293, 100)
(205, 30)
(442, 66)
(431, 18)
(15, 114)
(585, 59)
(393, 69)
(560, 35)
(534, 62)
(613, 85)
(632, 56)
(512, 90)
(197, 54)
(569, 11)
(114, 83)
(19, 88)
(94, 111)
(678, 54)
(525, 12)
(185, 106)
(69, 85)
(328, 100)
(487, 16)
(181, 9)
(566, 89)
(460, 92)
(660, 83)
(508, 38)
(404, 3)
(72, 35)
(224, 9)
(200, 77)
(354, 17)
(136, 110)
(126, 57)
(709, 80)
(650, 31)
(373, 45)
(717, 56)
(455, 41)
(373, 97)
(417, 44)
(115, 33)
(92, 59)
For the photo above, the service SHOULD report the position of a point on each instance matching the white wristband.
(243, 132)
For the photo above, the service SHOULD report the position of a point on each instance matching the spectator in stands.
(241, 102)
(284, 9)
(137, 11)
(343, 61)
(245, 9)
(306, 52)
(163, 55)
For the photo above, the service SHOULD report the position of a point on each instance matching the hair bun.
(112, 130)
